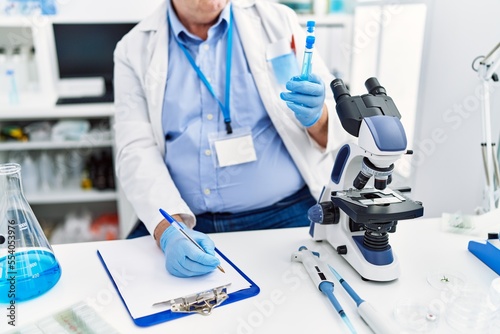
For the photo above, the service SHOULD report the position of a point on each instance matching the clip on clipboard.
(134, 264)
(202, 302)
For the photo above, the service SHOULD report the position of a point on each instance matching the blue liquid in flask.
(34, 272)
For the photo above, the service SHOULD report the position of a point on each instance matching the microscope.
(356, 210)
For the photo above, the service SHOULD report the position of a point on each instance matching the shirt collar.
(183, 35)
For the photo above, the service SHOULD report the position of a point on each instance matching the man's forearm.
(162, 226)
(319, 131)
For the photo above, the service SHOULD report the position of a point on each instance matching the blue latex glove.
(306, 98)
(183, 259)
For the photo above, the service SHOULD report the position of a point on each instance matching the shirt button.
(206, 191)
(208, 152)
(206, 46)
(210, 117)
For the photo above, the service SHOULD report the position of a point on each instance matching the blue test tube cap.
(310, 42)
(310, 26)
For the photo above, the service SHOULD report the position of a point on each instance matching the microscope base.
(380, 266)
(488, 253)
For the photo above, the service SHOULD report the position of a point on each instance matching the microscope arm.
(490, 63)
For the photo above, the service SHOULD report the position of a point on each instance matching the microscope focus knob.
(342, 250)
(324, 213)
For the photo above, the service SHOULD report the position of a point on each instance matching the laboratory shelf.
(42, 111)
(53, 145)
(19, 21)
(71, 196)
(37, 104)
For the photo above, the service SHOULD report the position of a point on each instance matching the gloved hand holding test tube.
(307, 91)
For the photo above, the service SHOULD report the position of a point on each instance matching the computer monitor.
(85, 50)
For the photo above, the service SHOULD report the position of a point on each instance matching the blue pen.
(180, 228)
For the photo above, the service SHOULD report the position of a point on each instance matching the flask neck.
(10, 179)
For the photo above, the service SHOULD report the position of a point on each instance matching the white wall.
(387, 44)
(448, 169)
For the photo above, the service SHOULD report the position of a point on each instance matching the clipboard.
(202, 301)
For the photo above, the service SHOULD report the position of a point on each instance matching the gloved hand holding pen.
(183, 258)
(306, 98)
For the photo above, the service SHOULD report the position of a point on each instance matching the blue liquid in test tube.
(307, 62)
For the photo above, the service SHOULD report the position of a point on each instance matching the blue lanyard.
(224, 107)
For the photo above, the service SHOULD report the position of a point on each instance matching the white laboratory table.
(288, 301)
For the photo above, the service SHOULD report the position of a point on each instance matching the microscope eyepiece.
(339, 89)
(374, 87)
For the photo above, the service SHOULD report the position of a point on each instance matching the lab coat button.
(206, 191)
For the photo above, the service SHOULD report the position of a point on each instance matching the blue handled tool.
(373, 319)
(315, 270)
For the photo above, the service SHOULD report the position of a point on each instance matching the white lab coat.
(141, 62)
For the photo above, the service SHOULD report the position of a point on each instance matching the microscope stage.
(376, 206)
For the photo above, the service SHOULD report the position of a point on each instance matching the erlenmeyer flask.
(28, 267)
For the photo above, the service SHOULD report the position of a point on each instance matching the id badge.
(234, 149)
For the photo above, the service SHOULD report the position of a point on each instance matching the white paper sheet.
(138, 269)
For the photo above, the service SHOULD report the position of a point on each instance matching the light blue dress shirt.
(190, 113)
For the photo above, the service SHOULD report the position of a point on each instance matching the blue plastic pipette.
(327, 289)
(319, 277)
(373, 319)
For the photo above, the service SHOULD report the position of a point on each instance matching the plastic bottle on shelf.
(320, 7)
(48, 7)
(75, 160)
(19, 63)
(336, 6)
(32, 70)
(9, 7)
(30, 172)
(60, 171)
(12, 92)
(45, 169)
(3, 7)
(3, 70)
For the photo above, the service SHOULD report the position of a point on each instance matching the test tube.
(307, 62)
(310, 39)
